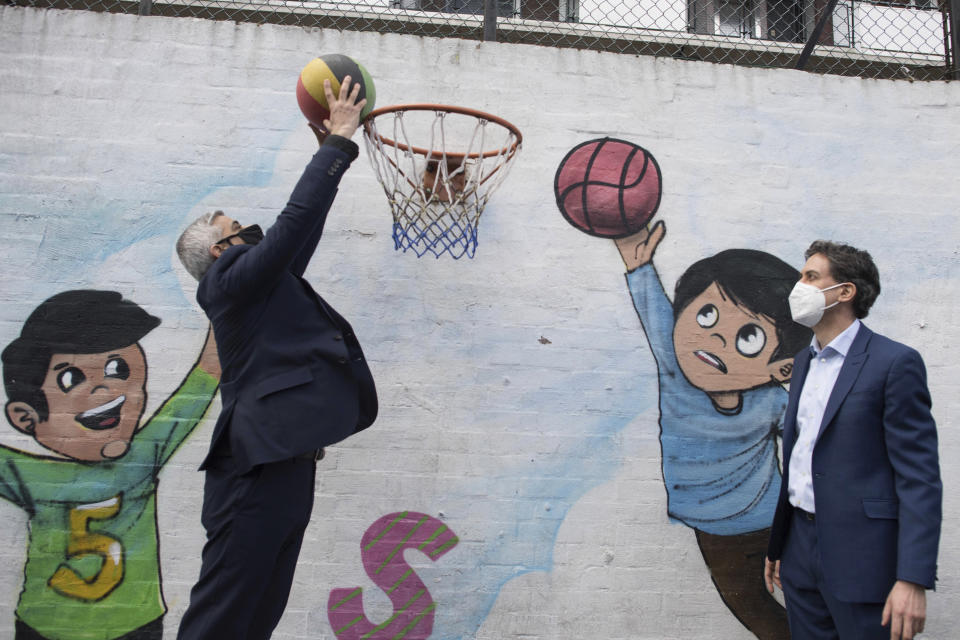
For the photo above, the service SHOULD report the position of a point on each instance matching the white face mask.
(807, 303)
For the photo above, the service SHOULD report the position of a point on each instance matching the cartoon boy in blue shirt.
(723, 350)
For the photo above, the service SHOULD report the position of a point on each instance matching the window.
(546, 10)
(782, 20)
(734, 18)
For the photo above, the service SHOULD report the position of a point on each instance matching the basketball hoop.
(438, 192)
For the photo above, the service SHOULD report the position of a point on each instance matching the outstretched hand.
(905, 610)
(637, 249)
(344, 109)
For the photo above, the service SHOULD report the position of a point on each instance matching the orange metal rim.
(476, 113)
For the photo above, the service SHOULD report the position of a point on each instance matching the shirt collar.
(840, 344)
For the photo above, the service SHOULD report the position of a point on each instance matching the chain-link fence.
(910, 39)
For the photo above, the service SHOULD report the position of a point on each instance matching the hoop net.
(438, 192)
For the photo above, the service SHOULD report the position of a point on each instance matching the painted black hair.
(754, 280)
(80, 321)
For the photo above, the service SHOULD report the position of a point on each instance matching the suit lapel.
(801, 364)
(852, 365)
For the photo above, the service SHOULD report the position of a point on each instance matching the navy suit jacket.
(876, 475)
(294, 375)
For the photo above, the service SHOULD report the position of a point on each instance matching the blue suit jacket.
(876, 475)
(294, 376)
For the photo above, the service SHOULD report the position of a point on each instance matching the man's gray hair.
(193, 245)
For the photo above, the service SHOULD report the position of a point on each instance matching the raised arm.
(299, 225)
(300, 263)
(209, 360)
(649, 298)
(186, 406)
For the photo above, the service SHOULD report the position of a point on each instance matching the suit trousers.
(255, 524)
(812, 611)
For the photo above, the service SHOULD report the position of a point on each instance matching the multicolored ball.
(333, 67)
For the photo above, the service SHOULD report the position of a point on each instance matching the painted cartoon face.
(723, 347)
(95, 402)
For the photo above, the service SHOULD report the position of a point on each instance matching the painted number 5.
(68, 582)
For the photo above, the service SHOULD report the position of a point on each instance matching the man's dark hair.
(82, 321)
(754, 280)
(849, 264)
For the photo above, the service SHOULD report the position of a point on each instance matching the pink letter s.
(382, 549)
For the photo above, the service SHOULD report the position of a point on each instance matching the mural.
(602, 452)
(724, 347)
(76, 380)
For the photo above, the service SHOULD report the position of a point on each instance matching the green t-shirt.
(92, 569)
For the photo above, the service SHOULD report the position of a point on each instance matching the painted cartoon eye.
(116, 368)
(69, 378)
(750, 340)
(707, 316)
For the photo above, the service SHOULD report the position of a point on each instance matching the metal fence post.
(145, 7)
(815, 36)
(955, 38)
(490, 20)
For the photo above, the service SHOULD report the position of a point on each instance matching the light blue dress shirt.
(821, 377)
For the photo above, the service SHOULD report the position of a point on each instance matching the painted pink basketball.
(608, 188)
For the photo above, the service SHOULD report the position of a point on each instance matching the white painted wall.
(518, 393)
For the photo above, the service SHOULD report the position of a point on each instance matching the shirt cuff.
(346, 145)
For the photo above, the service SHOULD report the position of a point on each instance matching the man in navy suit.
(294, 381)
(855, 534)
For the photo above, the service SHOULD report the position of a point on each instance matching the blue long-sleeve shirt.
(720, 469)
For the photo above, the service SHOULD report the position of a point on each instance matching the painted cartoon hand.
(637, 250)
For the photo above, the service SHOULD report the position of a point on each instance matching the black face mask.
(250, 235)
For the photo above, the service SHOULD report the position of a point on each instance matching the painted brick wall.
(519, 395)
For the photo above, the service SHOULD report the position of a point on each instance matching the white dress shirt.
(821, 377)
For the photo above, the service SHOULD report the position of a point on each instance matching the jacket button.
(342, 361)
(338, 337)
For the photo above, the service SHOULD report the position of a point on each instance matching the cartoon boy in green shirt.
(76, 382)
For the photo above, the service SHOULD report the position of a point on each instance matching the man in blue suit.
(294, 381)
(855, 534)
